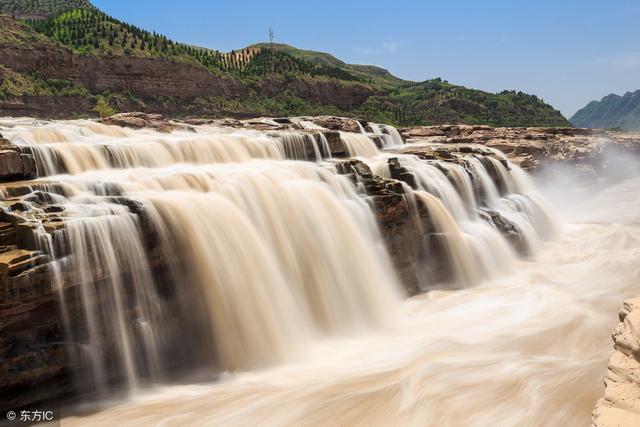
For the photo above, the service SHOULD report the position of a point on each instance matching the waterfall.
(281, 252)
(395, 135)
(218, 249)
(465, 262)
(389, 134)
(303, 146)
(107, 255)
(358, 144)
(84, 146)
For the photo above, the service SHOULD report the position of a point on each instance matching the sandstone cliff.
(620, 405)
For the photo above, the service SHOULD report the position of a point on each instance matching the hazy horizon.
(568, 54)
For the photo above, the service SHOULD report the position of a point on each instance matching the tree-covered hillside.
(364, 72)
(437, 102)
(39, 9)
(275, 79)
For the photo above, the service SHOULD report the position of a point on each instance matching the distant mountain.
(612, 111)
(66, 58)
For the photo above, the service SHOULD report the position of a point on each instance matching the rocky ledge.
(534, 148)
(620, 405)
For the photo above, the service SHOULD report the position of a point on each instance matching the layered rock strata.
(534, 148)
(620, 405)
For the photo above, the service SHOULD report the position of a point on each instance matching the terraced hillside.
(40, 9)
(67, 49)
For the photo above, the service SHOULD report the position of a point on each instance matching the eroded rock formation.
(620, 405)
(533, 148)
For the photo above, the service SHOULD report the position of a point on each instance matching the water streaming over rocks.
(214, 249)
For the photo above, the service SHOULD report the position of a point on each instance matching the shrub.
(103, 108)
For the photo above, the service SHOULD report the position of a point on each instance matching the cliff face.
(141, 76)
(161, 85)
(327, 91)
(620, 405)
(136, 70)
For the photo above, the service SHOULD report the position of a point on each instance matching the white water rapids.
(527, 349)
(293, 296)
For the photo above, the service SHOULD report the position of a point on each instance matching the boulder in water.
(507, 228)
(14, 164)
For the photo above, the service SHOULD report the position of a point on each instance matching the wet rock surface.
(402, 230)
(14, 164)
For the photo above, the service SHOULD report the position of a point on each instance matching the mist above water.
(526, 348)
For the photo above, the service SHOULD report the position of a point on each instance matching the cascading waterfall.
(389, 134)
(297, 146)
(395, 135)
(84, 146)
(477, 250)
(301, 226)
(259, 245)
(358, 144)
(106, 238)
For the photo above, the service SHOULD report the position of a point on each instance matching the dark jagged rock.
(401, 173)
(507, 228)
(33, 363)
(335, 123)
(404, 227)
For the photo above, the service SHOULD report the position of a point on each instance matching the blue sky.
(567, 52)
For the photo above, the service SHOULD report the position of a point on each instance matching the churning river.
(281, 281)
(527, 349)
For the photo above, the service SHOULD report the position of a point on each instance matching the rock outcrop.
(14, 164)
(620, 406)
(142, 120)
(533, 148)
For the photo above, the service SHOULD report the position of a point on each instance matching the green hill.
(127, 67)
(39, 9)
(364, 72)
(612, 111)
